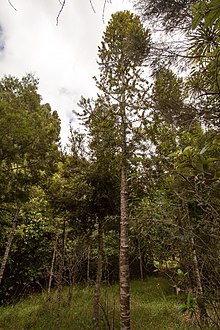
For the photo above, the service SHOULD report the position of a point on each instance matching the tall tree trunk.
(8, 246)
(124, 253)
(96, 306)
(60, 257)
(52, 265)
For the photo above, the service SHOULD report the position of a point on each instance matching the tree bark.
(124, 254)
(8, 246)
(96, 306)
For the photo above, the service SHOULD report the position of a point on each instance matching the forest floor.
(154, 306)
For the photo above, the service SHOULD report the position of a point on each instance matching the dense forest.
(136, 192)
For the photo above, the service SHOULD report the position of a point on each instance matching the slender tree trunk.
(61, 256)
(196, 271)
(197, 277)
(124, 254)
(200, 296)
(185, 253)
(71, 270)
(8, 246)
(140, 259)
(124, 275)
(88, 265)
(96, 306)
(52, 265)
(59, 283)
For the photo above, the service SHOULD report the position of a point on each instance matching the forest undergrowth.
(154, 305)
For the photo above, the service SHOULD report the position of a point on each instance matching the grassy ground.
(153, 306)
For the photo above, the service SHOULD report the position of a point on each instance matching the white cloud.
(63, 57)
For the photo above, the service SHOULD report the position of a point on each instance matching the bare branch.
(61, 9)
(209, 93)
(63, 4)
(92, 6)
(12, 5)
(103, 11)
(172, 53)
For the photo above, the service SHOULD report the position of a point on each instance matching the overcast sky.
(63, 57)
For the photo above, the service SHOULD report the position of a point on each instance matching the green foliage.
(204, 48)
(70, 194)
(207, 12)
(28, 151)
(29, 137)
(170, 101)
(190, 305)
(120, 73)
(29, 127)
(29, 259)
(125, 42)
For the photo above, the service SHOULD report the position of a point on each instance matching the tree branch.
(12, 5)
(61, 9)
(90, 1)
(172, 54)
(103, 11)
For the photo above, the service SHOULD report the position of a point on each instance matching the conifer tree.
(124, 45)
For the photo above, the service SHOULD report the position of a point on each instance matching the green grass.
(153, 306)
